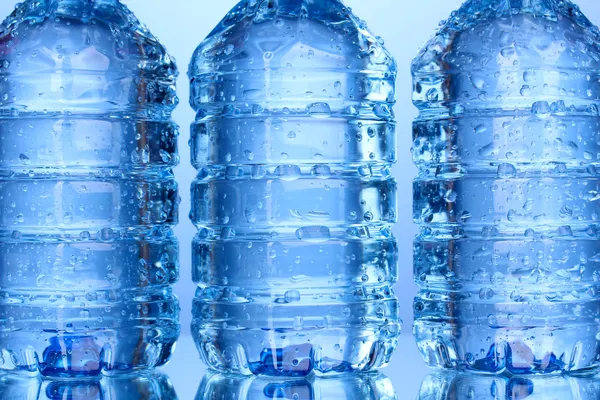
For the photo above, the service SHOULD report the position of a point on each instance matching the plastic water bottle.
(153, 386)
(348, 387)
(508, 258)
(451, 386)
(87, 194)
(293, 141)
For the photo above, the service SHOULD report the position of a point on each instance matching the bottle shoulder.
(495, 34)
(100, 36)
(296, 34)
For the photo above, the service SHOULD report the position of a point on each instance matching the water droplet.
(300, 278)
(486, 293)
(457, 109)
(450, 196)
(480, 129)
(313, 233)
(529, 233)
(68, 218)
(478, 81)
(24, 159)
(288, 172)
(565, 213)
(506, 170)
(464, 216)
(106, 234)
(432, 95)
(512, 215)
(292, 296)
(41, 280)
(541, 109)
(145, 154)
(250, 215)
(529, 76)
(258, 172)
(253, 94)
(165, 156)
(507, 52)
(321, 171)
(319, 110)
(227, 234)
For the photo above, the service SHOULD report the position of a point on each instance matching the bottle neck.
(530, 3)
(70, 2)
(82, 3)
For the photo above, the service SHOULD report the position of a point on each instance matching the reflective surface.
(354, 386)
(443, 386)
(128, 387)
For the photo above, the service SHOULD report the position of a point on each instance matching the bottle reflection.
(455, 386)
(149, 386)
(352, 387)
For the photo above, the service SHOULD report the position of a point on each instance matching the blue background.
(405, 25)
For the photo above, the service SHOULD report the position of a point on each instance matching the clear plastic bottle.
(348, 387)
(506, 142)
(87, 194)
(293, 141)
(453, 386)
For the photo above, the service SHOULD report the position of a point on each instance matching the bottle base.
(509, 350)
(73, 355)
(295, 354)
